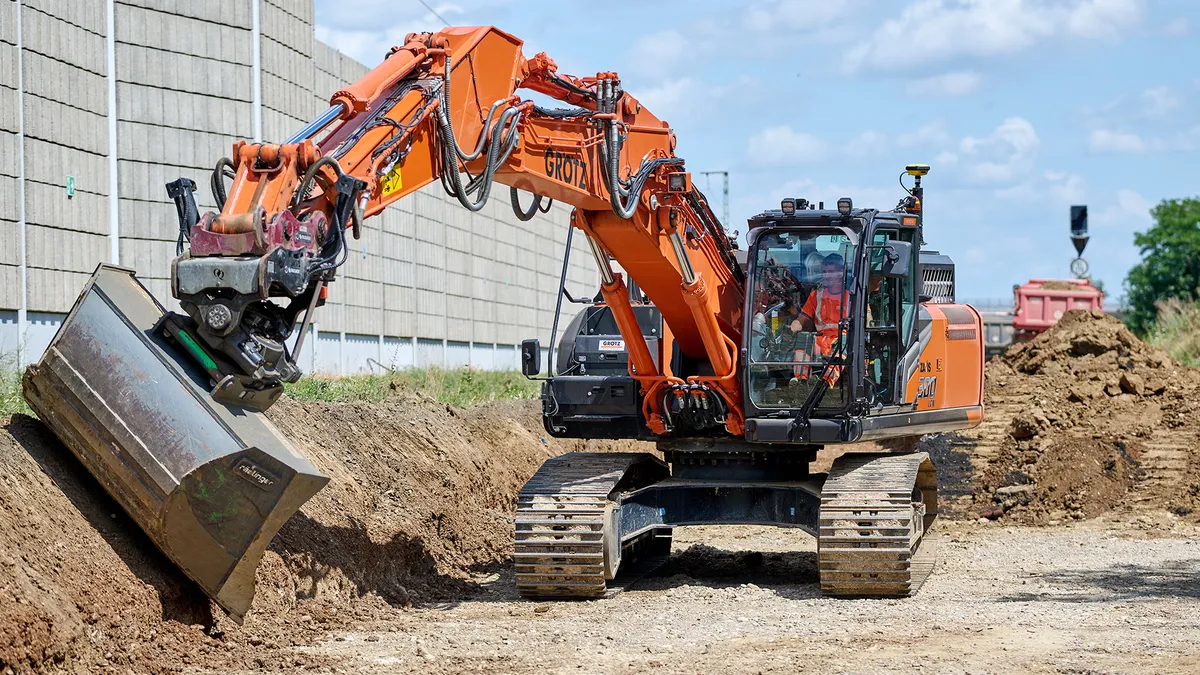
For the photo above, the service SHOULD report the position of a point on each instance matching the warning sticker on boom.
(391, 181)
(612, 345)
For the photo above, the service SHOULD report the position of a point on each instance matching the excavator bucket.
(210, 484)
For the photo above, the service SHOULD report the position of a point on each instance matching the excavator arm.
(446, 106)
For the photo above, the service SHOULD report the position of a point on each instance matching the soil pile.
(419, 503)
(1092, 419)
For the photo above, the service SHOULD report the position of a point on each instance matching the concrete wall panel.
(54, 290)
(8, 199)
(170, 70)
(69, 250)
(77, 44)
(65, 125)
(90, 15)
(10, 290)
(470, 286)
(234, 13)
(48, 205)
(50, 163)
(182, 34)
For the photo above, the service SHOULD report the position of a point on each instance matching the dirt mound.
(1059, 285)
(419, 504)
(1088, 415)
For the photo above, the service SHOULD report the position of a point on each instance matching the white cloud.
(1159, 101)
(1101, 18)
(949, 84)
(867, 144)
(1156, 104)
(366, 29)
(1055, 187)
(674, 99)
(933, 135)
(772, 25)
(1159, 119)
(1066, 187)
(665, 98)
(931, 31)
(765, 17)
(1177, 27)
(1106, 140)
(659, 53)
(1005, 154)
(1131, 212)
(946, 158)
(782, 146)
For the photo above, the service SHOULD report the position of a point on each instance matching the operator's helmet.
(812, 263)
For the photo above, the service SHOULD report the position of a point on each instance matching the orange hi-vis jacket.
(826, 310)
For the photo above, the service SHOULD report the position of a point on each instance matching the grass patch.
(459, 387)
(11, 400)
(1176, 329)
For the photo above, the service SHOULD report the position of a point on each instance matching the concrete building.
(102, 102)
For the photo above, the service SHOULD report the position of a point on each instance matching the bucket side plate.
(210, 484)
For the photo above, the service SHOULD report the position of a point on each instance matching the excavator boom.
(446, 107)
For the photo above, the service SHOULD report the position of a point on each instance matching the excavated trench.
(1084, 421)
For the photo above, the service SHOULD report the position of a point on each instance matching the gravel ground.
(1092, 597)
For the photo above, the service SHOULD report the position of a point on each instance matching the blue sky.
(1022, 107)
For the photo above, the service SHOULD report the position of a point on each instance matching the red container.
(1039, 303)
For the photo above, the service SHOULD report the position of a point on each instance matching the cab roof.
(825, 218)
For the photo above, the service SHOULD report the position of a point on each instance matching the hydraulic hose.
(310, 176)
(502, 140)
(521, 214)
(217, 182)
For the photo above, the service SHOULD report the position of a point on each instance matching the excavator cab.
(832, 297)
(800, 303)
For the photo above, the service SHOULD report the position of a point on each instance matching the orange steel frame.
(557, 158)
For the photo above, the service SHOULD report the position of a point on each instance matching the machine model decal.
(926, 387)
(612, 345)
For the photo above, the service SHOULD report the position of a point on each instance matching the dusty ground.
(1076, 599)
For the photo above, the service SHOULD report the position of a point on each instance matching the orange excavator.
(740, 365)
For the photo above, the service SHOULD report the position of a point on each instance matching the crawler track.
(566, 540)
(876, 511)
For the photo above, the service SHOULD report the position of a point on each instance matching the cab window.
(800, 303)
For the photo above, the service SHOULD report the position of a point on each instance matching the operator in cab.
(823, 309)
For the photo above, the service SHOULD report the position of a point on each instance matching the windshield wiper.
(800, 423)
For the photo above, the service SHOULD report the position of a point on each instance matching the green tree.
(1170, 266)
